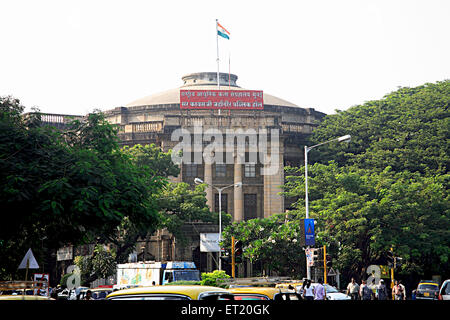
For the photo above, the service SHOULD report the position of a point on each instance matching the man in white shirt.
(353, 290)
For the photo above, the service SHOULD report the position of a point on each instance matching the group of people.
(310, 292)
(375, 292)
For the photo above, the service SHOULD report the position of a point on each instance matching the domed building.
(154, 118)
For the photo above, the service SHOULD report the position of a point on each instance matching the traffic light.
(315, 255)
(238, 251)
(398, 262)
(226, 256)
(390, 259)
(329, 262)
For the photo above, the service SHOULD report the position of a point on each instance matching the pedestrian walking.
(365, 292)
(353, 290)
(373, 287)
(398, 291)
(308, 291)
(302, 289)
(319, 291)
(382, 293)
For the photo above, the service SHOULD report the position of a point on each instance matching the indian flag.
(221, 31)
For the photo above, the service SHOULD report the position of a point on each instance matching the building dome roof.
(202, 81)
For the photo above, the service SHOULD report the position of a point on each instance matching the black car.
(428, 290)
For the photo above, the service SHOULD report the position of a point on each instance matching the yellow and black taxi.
(427, 290)
(180, 292)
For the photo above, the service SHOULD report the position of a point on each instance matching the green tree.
(101, 264)
(387, 187)
(180, 204)
(273, 242)
(66, 187)
(408, 130)
(154, 167)
(103, 261)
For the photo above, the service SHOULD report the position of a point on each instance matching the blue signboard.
(310, 239)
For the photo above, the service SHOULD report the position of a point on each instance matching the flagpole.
(229, 77)
(217, 40)
(229, 71)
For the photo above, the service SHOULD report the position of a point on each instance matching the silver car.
(444, 292)
(331, 292)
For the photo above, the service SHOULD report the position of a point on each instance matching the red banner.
(221, 99)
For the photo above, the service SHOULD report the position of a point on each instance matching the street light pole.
(219, 190)
(308, 267)
(220, 225)
(307, 149)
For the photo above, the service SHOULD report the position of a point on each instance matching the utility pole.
(233, 261)
(345, 138)
(325, 264)
(392, 271)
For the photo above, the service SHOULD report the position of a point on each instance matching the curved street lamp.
(345, 138)
(219, 190)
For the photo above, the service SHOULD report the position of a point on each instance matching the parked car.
(124, 286)
(426, 290)
(332, 293)
(188, 292)
(64, 294)
(444, 292)
(290, 285)
(100, 293)
(263, 293)
(24, 297)
(74, 294)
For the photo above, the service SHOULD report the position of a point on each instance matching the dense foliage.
(407, 130)
(180, 204)
(78, 186)
(387, 188)
(66, 187)
(100, 265)
(272, 242)
(214, 278)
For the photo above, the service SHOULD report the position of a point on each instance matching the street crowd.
(374, 291)
(356, 291)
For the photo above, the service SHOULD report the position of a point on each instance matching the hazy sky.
(71, 57)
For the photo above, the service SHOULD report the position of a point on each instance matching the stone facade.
(153, 120)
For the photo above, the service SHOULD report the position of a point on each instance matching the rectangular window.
(224, 202)
(250, 170)
(221, 170)
(191, 170)
(250, 206)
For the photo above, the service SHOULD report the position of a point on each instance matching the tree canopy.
(387, 188)
(68, 186)
(407, 130)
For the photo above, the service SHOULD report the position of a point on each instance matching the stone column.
(209, 190)
(238, 191)
(273, 202)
